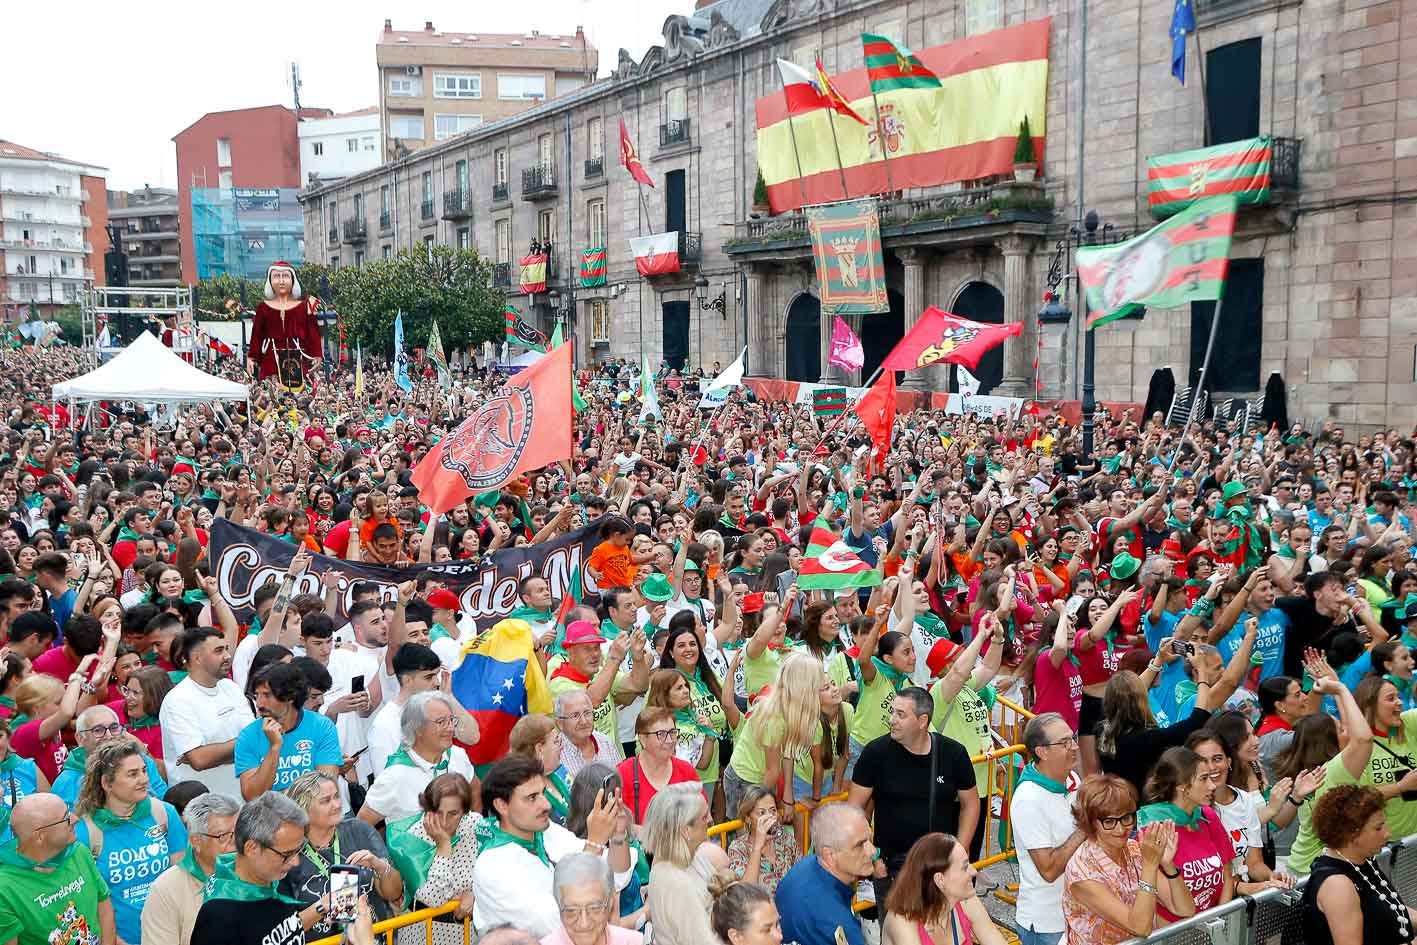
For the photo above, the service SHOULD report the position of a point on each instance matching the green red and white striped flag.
(828, 401)
(829, 565)
(1181, 260)
(1175, 181)
(593, 268)
(890, 66)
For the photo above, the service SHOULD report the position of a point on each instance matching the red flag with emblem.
(940, 336)
(522, 427)
(631, 159)
(877, 413)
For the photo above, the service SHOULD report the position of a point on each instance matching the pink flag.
(846, 347)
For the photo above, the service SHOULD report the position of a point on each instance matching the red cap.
(941, 655)
(582, 633)
(444, 599)
(183, 468)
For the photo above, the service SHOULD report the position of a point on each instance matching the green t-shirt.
(1382, 769)
(750, 757)
(803, 768)
(966, 720)
(39, 908)
(873, 707)
(607, 720)
(761, 670)
(718, 720)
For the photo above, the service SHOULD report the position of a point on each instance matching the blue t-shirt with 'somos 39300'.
(311, 743)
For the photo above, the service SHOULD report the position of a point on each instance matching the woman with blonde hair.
(674, 834)
(783, 726)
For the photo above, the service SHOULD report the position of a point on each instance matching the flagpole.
(881, 140)
(848, 412)
(796, 154)
(836, 146)
(1200, 382)
(1205, 103)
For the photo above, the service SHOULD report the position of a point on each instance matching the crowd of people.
(1211, 637)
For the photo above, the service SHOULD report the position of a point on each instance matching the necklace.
(1378, 885)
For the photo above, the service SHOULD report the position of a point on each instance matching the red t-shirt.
(337, 539)
(56, 662)
(48, 755)
(638, 792)
(1057, 689)
(149, 735)
(1095, 664)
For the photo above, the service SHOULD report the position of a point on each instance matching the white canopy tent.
(147, 371)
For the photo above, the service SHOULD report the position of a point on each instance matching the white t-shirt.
(385, 733)
(1241, 820)
(395, 791)
(1042, 820)
(511, 886)
(352, 727)
(193, 716)
(242, 659)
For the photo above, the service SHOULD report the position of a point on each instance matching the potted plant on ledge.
(1025, 159)
(761, 207)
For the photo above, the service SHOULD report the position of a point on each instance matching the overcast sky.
(111, 83)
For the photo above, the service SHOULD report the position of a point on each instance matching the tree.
(452, 285)
(211, 294)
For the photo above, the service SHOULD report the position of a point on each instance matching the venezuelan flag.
(498, 681)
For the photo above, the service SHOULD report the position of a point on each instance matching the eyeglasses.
(1112, 823)
(576, 914)
(664, 735)
(222, 837)
(68, 818)
(577, 716)
(283, 854)
(447, 722)
(1070, 742)
(110, 730)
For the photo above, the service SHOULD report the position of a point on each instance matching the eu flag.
(1183, 23)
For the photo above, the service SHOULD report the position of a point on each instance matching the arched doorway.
(804, 338)
(981, 302)
(880, 333)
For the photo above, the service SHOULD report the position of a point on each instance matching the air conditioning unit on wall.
(412, 70)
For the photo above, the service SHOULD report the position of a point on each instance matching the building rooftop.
(9, 149)
(534, 39)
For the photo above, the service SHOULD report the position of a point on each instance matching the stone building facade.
(1323, 284)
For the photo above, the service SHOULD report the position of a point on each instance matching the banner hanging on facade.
(243, 559)
(1175, 181)
(846, 247)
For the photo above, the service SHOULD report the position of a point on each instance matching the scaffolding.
(119, 306)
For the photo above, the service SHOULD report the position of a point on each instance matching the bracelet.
(1296, 801)
(1169, 875)
(1144, 886)
(597, 847)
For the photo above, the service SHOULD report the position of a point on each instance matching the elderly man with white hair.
(95, 726)
(177, 895)
(427, 725)
(581, 744)
(584, 887)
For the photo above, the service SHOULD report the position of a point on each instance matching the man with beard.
(287, 740)
(203, 714)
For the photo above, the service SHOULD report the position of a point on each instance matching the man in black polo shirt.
(894, 771)
(1314, 620)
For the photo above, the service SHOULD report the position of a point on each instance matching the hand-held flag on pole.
(1183, 259)
(877, 413)
(400, 356)
(358, 369)
(435, 351)
(630, 159)
(830, 565)
(649, 397)
(1183, 23)
(519, 333)
(522, 427)
(846, 347)
(940, 336)
(731, 376)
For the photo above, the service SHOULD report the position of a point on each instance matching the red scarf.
(1273, 723)
(567, 671)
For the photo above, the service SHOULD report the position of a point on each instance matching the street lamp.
(718, 304)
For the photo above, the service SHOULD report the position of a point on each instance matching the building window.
(464, 238)
(676, 104)
(595, 139)
(545, 225)
(446, 126)
(351, 145)
(368, 142)
(384, 199)
(388, 251)
(358, 206)
(427, 186)
(595, 213)
(405, 86)
(1233, 94)
(223, 152)
(544, 145)
(457, 85)
(1238, 339)
(405, 126)
(981, 16)
(521, 87)
(460, 175)
(499, 166)
(334, 262)
(358, 258)
(317, 148)
(224, 180)
(599, 320)
(503, 235)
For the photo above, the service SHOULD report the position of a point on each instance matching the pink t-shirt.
(55, 662)
(47, 755)
(1201, 856)
(149, 735)
(1095, 664)
(614, 936)
(1057, 689)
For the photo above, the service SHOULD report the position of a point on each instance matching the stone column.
(913, 259)
(1018, 308)
(759, 358)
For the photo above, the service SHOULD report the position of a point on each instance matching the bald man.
(49, 888)
(95, 726)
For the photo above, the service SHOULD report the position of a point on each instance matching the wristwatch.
(1144, 886)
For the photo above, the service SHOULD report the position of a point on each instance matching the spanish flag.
(961, 129)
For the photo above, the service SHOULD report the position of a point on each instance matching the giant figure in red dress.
(285, 335)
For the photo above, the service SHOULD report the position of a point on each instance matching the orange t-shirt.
(613, 564)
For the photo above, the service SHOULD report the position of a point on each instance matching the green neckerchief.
(532, 614)
(1110, 466)
(195, 596)
(189, 865)
(1173, 522)
(1404, 687)
(411, 855)
(8, 703)
(16, 720)
(931, 624)
(76, 760)
(686, 717)
(1286, 552)
(897, 678)
(142, 722)
(126, 534)
(225, 884)
(490, 836)
(402, 757)
(1155, 813)
(1186, 690)
(436, 633)
(1032, 774)
(609, 630)
(559, 796)
(149, 658)
(108, 820)
(9, 763)
(10, 855)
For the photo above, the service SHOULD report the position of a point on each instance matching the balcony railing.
(539, 181)
(386, 221)
(1284, 163)
(595, 167)
(674, 132)
(426, 210)
(502, 275)
(691, 250)
(457, 204)
(356, 230)
(500, 192)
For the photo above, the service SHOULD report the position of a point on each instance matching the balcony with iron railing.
(502, 275)
(691, 250)
(539, 182)
(53, 246)
(386, 221)
(674, 133)
(594, 168)
(457, 204)
(501, 193)
(356, 230)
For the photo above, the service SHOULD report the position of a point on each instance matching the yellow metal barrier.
(386, 930)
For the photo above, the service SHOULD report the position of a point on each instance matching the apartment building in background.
(336, 147)
(52, 215)
(151, 234)
(434, 85)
